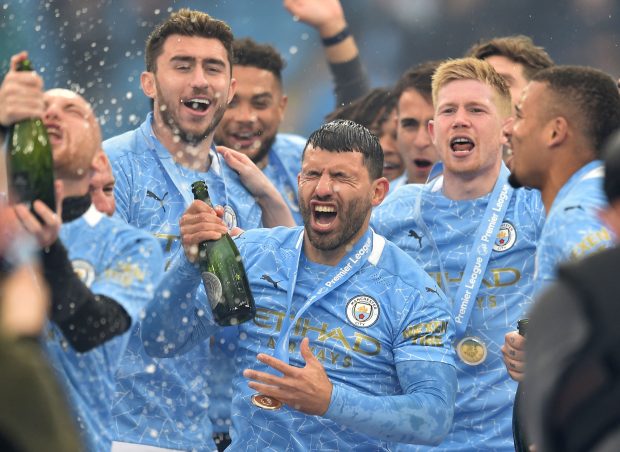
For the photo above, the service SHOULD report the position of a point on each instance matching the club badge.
(362, 311)
(506, 237)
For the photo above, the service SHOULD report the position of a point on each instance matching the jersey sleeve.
(422, 415)
(133, 270)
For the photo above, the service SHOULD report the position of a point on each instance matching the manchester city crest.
(362, 311)
(84, 270)
(506, 237)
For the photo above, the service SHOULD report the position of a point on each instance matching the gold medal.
(266, 402)
(471, 350)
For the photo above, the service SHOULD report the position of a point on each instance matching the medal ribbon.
(369, 244)
(481, 249)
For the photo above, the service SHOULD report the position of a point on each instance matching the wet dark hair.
(343, 135)
(519, 48)
(611, 154)
(248, 52)
(418, 78)
(187, 22)
(586, 95)
(371, 111)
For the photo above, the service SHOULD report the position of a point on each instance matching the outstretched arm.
(422, 415)
(341, 52)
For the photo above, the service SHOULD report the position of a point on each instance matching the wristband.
(337, 38)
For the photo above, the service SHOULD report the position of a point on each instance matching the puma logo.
(150, 194)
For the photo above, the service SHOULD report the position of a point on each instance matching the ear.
(557, 131)
(231, 90)
(431, 130)
(282, 106)
(506, 130)
(147, 82)
(380, 187)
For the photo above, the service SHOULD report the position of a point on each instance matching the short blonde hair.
(473, 69)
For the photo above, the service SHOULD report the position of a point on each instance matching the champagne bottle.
(29, 159)
(518, 434)
(223, 274)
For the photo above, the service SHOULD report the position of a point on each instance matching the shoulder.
(121, 145)
(279, 237)
(396, 262)
(288, 147)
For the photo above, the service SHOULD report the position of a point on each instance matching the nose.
(460, 119)
(324, 186)
(199, 80)
(51, 111)
(423, 138)
(244, 112)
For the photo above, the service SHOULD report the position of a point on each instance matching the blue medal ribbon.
(368, 248)
(481, 249)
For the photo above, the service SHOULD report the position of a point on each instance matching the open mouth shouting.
(196, 104)
(461, 146)
(323, 216)
(422, 163)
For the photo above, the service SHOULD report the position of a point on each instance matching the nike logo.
(270, 280)
(415, 235)
(150, 194)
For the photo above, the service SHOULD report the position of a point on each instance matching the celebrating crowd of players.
(390, 254)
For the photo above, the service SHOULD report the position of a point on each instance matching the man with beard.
(565, 116)
(188, 77)
(101, 271)
(380, 366)
(472, 233)
(250, 124)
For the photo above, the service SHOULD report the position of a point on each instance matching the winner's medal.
(265, 402)
(471, 350)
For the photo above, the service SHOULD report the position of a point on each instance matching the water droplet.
(293, 50)
(150, 369)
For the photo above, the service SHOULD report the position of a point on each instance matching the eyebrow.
(191, 59)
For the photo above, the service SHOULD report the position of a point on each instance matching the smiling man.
(369, 347)
(250, 124)
(477, 238)
(188, 78)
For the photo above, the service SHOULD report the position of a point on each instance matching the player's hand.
(326, 16)
(252, 177)
(46, 227)
(306, 389)
(200, 222)
(514, 355)
(21, 94)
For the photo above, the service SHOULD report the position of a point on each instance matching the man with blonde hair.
(477, 237)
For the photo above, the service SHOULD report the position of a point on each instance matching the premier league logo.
(362, 311)
(230, 217)
(506, 237)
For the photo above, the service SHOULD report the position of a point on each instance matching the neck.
(334, 256)
(459, 187)
(193, 156)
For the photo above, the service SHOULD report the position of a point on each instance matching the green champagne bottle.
(223, 274)
(29, 159)
(518, 435)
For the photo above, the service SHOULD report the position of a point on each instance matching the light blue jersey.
(573, 228)
(164, 402)
(283, 166)
(124, 264)
(483, 412)
(371, 327)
